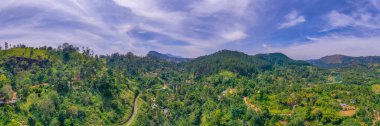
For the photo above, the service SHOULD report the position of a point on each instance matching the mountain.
(167, 57)
(335, 61)
(226, 60)
(280, 59)
(239, 62)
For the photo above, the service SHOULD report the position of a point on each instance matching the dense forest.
(73, 86)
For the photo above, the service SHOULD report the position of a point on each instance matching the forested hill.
(240, 62)
(73, 86)
(335, 61)
(167, 57)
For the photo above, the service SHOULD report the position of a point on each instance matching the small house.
(11, 101)
(2, 100)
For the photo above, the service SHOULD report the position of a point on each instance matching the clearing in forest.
(40, 85)
(347, 111)
(229, 91)
(251, 105)
(376, 114)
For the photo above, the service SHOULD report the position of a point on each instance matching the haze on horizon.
(300, 29)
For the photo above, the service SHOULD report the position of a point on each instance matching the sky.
(301, 29)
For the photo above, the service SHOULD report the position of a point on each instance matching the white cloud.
(337, 19)
(292, 19)
(234, 35)
(214, 6)
(152, 11)
(319, 47)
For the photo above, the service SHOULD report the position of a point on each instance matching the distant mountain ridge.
(167, 57)
(236, 58)
(335, 61)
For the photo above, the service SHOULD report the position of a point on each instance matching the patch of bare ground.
(254, 107)
(40, 85)
(347, 111)
(376, 114)
(283, 122)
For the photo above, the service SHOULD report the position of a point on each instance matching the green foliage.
(24, 52)
(6, 91)
(66, 87)
(350, 122)
(298, 121)
(227, 60)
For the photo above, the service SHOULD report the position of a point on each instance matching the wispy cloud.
(292, 19)
(356, 19)
(151, 10)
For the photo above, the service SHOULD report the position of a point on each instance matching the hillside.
(335, 61)
(240, 62)
(60, 87)
(227, 60)
(167, 57)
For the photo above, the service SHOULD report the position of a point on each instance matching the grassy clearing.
(254, 107)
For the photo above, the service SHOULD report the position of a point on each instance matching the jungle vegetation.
(71, 86)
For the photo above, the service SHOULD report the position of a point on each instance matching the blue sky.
(302, 29)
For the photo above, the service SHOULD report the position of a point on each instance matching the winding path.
(254, 107)
(130, 119)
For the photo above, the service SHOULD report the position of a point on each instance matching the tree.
(31, 53)
(316, 114)
(298, 121)
(329, 116)
(6, 45)
(377, 123)
(350, 122)
(31, 121)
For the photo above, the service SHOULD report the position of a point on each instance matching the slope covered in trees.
(167, 57)
(72, 86)
(335, 61)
